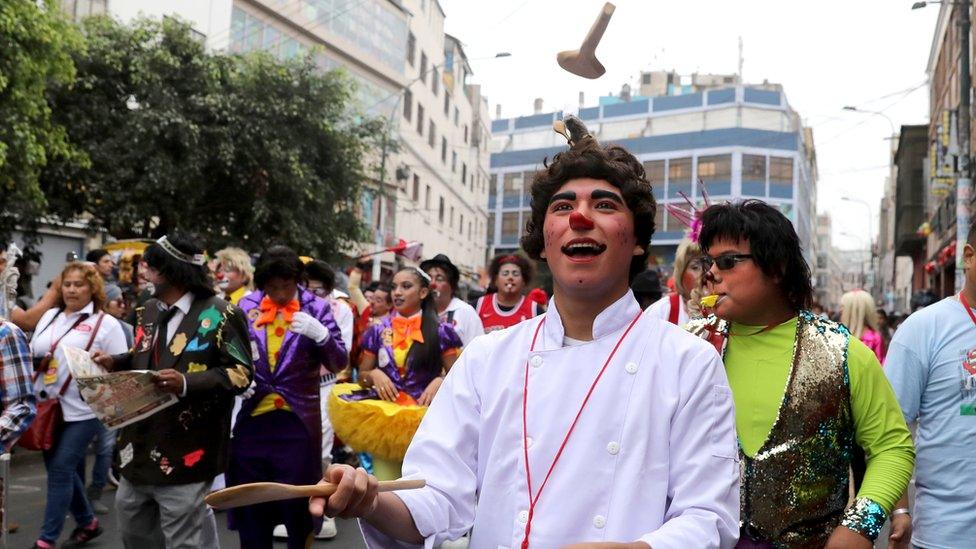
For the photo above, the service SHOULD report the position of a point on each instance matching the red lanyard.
(965, 305)
(525, 429)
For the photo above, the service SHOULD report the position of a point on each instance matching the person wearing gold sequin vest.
(805, 391)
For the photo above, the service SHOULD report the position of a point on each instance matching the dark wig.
(496, 266)
(612, 164)
(321, 271)
(426, 356)
(278, 262)
(773, 243)
(185, 276)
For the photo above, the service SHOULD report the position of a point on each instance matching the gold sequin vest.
(794, 491)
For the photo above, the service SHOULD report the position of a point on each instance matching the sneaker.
(280, 532)
(328, 530)
(82, 535)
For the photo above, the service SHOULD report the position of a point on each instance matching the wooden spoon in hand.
(262, 492)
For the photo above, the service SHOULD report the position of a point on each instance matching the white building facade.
(406, 70)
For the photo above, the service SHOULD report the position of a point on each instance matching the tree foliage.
(35, 46)
(244, 150)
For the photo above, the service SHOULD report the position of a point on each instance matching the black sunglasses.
(724, 262)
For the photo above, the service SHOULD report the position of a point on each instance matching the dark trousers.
(273, 447)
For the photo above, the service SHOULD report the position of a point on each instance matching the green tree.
(240, 150)
(35, 46)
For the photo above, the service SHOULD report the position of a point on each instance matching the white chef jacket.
(662, 309)
(653, 457)
(464, 319)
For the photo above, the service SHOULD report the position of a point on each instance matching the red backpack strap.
(675, 308)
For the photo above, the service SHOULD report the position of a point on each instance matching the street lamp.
(852, 108)
(870, 225)
(861, 240)
(964, 182)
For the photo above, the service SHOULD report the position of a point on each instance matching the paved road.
(28, 488)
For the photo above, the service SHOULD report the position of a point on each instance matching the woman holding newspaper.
(77, 321)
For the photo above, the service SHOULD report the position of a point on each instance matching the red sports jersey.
(495, 319)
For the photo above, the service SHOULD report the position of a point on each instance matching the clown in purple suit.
(404, 360)
(277, 436)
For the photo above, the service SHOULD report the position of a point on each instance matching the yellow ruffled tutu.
(381, 428)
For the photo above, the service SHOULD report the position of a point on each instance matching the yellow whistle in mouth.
(709, 300)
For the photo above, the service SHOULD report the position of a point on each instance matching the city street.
(28, 495)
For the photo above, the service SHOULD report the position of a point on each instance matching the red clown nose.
(578, 221)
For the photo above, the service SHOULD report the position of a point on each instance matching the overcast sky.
(866, 53)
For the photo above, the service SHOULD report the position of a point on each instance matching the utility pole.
(964, 185)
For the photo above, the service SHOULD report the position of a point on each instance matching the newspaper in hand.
(117, 398)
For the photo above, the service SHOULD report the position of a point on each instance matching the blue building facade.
(733, 143)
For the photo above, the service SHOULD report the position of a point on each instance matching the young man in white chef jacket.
(588, 427)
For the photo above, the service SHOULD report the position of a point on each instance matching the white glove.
(310, 327)
(249, 392)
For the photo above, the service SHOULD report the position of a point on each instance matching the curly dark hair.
(321, 271)
(496, 265)
(188, 277)
(278, 262)
(610, 163)
(773, 243)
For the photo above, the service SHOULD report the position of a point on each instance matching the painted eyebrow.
(601, 193)
(566, 195)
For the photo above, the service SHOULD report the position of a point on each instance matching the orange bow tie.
(406, 330)
(270, 309)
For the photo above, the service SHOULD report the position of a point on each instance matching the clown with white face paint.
(591, 426)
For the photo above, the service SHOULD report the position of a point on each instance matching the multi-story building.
(940, 210)
(734, 142)
(434, 167)
(827, 272)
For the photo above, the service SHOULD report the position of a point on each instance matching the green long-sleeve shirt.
(758, 365)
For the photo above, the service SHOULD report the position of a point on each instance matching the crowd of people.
(718, 408)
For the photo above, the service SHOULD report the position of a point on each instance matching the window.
(753, 175)
(715, 173)
(453, 161)
(432, 135)
(444, 150)
(420, 119)
(510, 228)
(512, 188)
(654, 171)
(464, 173)
(456, 114)
(434, 81)
(447, 104)
(411, 48)
(469, 230)
(679, 177)
(423, 68)
(427, 198)
(440, 209)
(780, 177)
(407, 104)
(461, 225)
(416, 187)
(451, 221)
(491, 226)
(465, 133)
